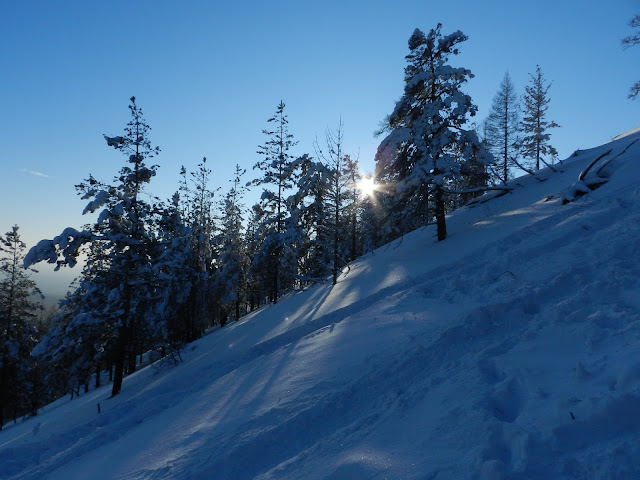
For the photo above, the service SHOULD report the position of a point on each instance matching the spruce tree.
(535, 143)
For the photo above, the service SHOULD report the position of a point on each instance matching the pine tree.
(84, 331)
(534, 126)
(203, 230)
(334, 160)
(313, 218)
(374, 230)
(428, 141)
(257, 284)
(177, 276)
(279, 173)
(474, 176)
(125, 234)
(18, 310)
(502, 129)
(352, 198)
(233, 261)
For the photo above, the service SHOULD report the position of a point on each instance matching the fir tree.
(534, 126)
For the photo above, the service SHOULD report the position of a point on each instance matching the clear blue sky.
(208, 74)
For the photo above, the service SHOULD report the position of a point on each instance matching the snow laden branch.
(65, 246)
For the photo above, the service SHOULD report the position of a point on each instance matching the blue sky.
(209, 74)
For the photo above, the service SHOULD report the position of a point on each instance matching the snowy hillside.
(509, 351)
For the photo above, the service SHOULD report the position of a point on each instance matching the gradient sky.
(208, 74)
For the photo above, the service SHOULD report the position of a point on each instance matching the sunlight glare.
(366, 186)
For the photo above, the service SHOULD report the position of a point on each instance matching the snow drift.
(509, 351)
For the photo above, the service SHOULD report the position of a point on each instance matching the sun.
(367, 186)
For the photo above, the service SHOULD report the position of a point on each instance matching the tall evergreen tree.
(125, 232)
(18, 310)
(535, 141)
(278, 175)
(502, 129)
(428, 140)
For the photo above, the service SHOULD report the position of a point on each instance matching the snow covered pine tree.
(123, 230)
(17, 332)
(428, 143)
(279, 170)
(233, 263)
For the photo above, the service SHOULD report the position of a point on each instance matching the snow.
(626, 134)
(509, 351)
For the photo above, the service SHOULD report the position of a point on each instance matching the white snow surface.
(509, 351)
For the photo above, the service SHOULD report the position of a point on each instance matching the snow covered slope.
(509, 351)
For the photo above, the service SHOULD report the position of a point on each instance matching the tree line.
(156, 274)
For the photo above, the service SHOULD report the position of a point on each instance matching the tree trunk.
(2, 393)
(337, 229)
(131, 357)
(440, 214)
(505, 171)
(275, 280)
(121, 353)
(354, 254)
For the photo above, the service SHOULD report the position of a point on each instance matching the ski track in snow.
(509, 351)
